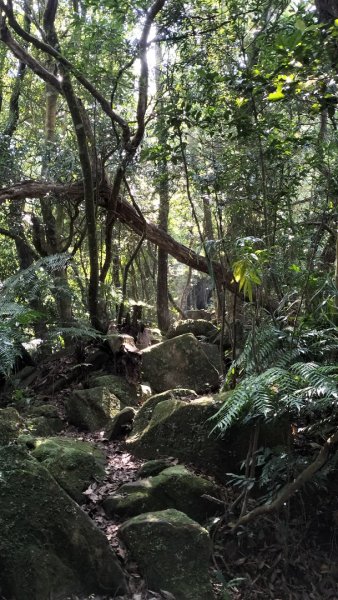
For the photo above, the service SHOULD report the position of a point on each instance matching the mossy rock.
(92, 409)
(44, 426)
(145, 413)
(119, 386)
(11, 425)
(175, 487)
(183, 430)
(198, 327)
(154, 467)
(120, 423)
(179, 362)
(48, 546)
(44, 410)
(74, 464)
(172, 551)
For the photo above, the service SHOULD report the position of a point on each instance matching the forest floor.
(289, 556)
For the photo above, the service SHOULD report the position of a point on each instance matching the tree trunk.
(162, 301)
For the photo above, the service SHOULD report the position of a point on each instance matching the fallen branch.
(291, 488)
(128, 215)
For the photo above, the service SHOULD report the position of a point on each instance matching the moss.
(74, 464)
(154, 467)
(172, 552)
(44, 426)
(183, 430)
(10, 425)
(126, 392)
(92, 409)
(179, 362)
(175, 487)
(198, 327)
(45, 410)
(48, 546)
(145, 413)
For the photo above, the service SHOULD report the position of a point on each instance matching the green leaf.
(275, 96)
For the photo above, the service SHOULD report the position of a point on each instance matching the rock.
(45, 410)
(198, 327)
(126, 392)
(10, 425)
(92, 409)
(74, 464)
(172, 552)
(154, 467)
(155, 335)
(49, 548)
(146, 392)
(120, 423)
(145, 413)
(44, 426)
(175, 487)
(213, 354)
(44, 420)
(183, 430)
(179, 362)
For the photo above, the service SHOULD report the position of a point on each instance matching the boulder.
(154, 467)
(73, 463)
(213, 354)
(198, 327)
(175, 487)
(179, 362)
(172, 551)
(184, 430)
(145, 413)
(44, 426)
(44, 420)
(10, 425)
(120, 423)
(126, 392)
(92, 409)
(49, 548)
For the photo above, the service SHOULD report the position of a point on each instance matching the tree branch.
(47, 49)
(127, 214)
(143, 79)
(291, 488)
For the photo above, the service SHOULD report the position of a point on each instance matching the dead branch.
(291, 488)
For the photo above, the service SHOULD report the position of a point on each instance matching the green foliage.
(16, 315)
(304, 388)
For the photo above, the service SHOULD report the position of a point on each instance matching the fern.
(15, 313)
(29, 282)
(277, 377)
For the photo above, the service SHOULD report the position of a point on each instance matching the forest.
(168, 300)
